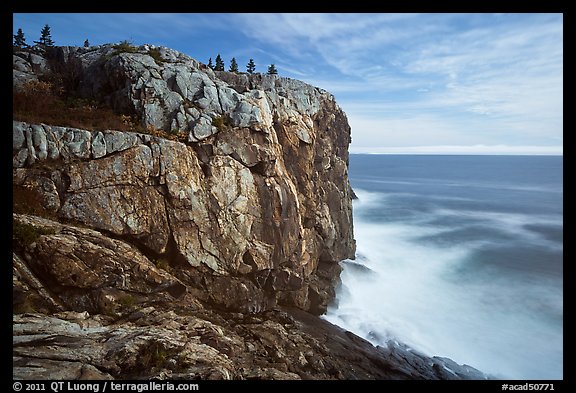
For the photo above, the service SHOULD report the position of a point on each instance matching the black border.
(427, 6)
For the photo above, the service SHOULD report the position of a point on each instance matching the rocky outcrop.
(136, 256)
(261, 205)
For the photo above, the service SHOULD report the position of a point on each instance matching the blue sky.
(409, 83)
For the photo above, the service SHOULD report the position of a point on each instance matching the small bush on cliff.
(162, 263)
(153, 356)
(124, 47)
(44, 102)
(173, 135)
(26, 234)
(127, 300)
(35, 98)
(221, 122)
(155, 54)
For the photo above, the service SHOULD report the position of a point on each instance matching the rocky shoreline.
(149, 343)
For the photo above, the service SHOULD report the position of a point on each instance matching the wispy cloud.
(496, 76)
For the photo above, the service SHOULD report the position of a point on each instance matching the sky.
(408, 83)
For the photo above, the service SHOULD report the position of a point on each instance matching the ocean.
(460, 257)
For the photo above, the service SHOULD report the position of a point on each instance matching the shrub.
(45, 102)
(153, 356)
(42, 102)
(34, 99)
(28, 200)
(155, 54)
(127, 300)
(125, 47)
(26, 234)
(162, 263)
(221, 122)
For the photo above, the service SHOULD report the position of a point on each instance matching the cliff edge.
(194, 246)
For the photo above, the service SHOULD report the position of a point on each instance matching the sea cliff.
(201, 243)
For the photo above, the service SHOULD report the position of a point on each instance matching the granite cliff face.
(260, 207)
(139, 256)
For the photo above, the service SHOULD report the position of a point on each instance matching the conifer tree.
(86, 43)
(251, 67)
(272, 70)
(219, 63)
(210, 64)
(19, 39)
(233, 65)
(45, 37)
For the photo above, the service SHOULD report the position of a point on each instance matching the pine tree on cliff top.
(210, 64)
(233, 65)
(19, 39)
(45, 37)
(272, 70)
(251, 67)
(219, 63)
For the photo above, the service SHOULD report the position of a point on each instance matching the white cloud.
(494, 76)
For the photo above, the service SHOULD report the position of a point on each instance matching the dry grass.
(27, 234)
(43, 102)
(27, 200)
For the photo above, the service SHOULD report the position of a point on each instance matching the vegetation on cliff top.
(46, 102)
(49, 102)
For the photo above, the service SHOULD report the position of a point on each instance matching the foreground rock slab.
(150, 343)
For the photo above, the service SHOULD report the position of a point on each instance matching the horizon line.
(462, 150)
